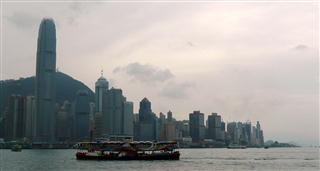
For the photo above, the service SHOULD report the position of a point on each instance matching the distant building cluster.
(41, 121)
(113, 115)
(82, 120)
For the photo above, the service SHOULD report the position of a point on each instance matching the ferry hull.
(170, 156)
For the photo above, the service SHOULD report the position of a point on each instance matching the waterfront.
(191, 159)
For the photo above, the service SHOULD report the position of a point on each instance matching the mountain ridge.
(66, 88)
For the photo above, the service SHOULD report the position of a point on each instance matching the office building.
(196, 126)
(45, 83)
(81, 115)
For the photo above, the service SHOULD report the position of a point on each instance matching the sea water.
(191, 159)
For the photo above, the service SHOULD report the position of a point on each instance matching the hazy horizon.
(244, 61)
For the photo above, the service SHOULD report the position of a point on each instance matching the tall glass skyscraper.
(45, 83)
(102, 86)
(196, 126)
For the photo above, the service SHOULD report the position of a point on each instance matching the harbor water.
(191, 159)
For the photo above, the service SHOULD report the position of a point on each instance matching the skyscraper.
(145, 112)
(45, 83)
(128, 118)
(30, 107)
(15, 118)
(196, 124)
(148, 125)
(169, 116)
(259, 135)
(214, 127)
(101, 88)
(233, 132)
(117, 114)
(113, 112)
(81, 115)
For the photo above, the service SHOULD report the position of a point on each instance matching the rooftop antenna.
(101, 72)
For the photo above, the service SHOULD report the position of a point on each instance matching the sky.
(245, 61)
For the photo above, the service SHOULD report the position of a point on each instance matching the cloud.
(300, 47)
(74, 10)
(190, 44)
(145, 73)
(23, 20)
(240, 66)
(176, 90)
(75, 6)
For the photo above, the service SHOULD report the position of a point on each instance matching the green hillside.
(66, 88)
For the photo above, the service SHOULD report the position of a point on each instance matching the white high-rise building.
(101, 88)
(114, 115)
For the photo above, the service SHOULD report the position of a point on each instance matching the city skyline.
(175, 91)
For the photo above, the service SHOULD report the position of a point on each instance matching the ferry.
(136, 150)
(236, 146)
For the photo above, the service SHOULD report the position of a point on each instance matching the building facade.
(101, 87)
(214, 127)
(15, 118)
(45, 83)
(81, 116)
(148, 124)
(196, 126)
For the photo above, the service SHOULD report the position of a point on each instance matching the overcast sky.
(245, 61)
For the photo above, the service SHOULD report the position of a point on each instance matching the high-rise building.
(162, 117)
(214, 127)
(15, 117)
(113, 114)
(233, 132)
(145, 112)
(169, 116)
(168, 132)
(246, 133)
(91, 119)
(113, 111)
(183, 128)
(127, 125)
(148, 124)
(254, 136)
(101, 87)
(259, 135)
(118, 114)
(197, 127)
(45, 83)
(167, 127)
(64, 122)
(62, 125)
(98, 128)
(261, 139)
(81, 115)
(223, 130)
(30, 117)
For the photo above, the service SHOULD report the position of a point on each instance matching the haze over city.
(245, 61)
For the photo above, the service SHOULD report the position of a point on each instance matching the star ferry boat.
(135, 150)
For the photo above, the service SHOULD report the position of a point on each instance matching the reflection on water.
(191, 159)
